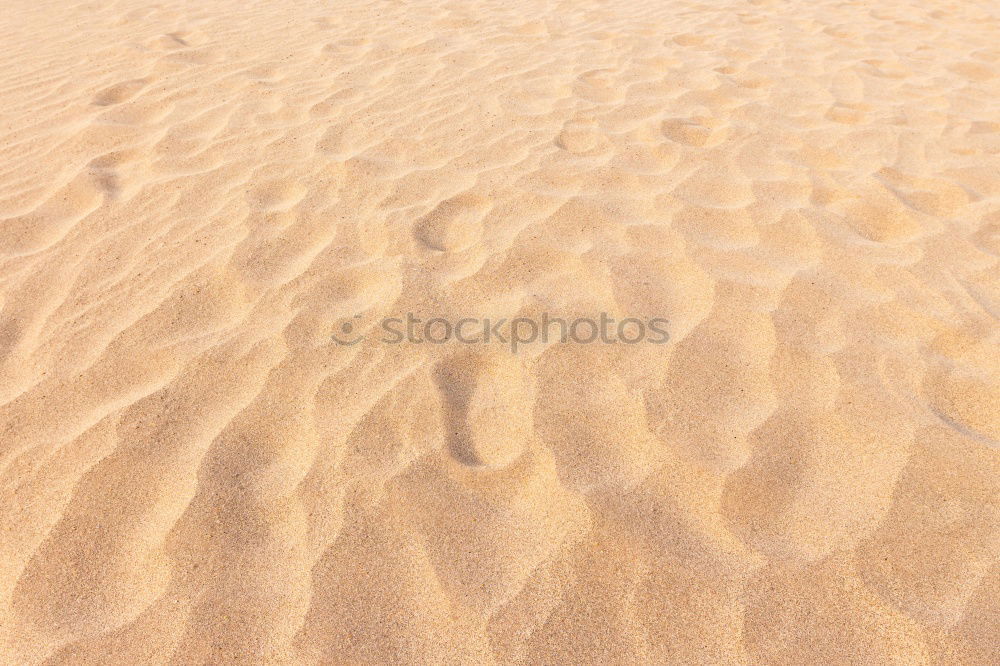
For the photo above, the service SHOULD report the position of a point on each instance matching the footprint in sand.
(276, 195)
(598, 86)
(689, 40)
(582, 138)
(488, 406)
(698, 131)
(455, 224)
(120, 92)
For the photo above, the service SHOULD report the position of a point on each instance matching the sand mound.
(217, 217)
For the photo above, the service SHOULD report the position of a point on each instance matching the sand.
(195, 197)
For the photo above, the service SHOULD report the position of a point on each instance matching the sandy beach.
(499, 332)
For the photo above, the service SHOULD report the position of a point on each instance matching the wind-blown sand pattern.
(194, 196)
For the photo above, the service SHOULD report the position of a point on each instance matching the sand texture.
(196, 195)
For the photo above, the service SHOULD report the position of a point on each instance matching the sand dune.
(196, 196)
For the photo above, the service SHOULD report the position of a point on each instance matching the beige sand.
(194, 195)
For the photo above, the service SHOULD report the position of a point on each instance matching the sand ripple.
(195, 196)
